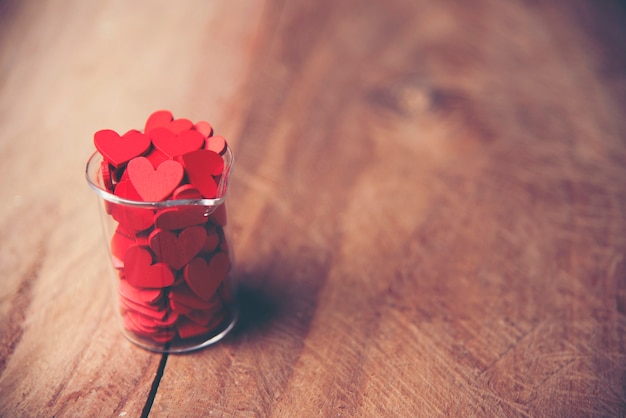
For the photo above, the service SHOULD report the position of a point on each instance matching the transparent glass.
(170, 265)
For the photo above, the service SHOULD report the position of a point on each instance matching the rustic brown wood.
(428, 205)
(68, 68)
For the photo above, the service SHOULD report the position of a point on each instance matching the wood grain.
(428, 206)
(67, 70)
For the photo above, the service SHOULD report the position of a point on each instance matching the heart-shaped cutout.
(188, 329)
(164, 335)
(212, 240)
(180, 217)
(177, 250)
(179, 125)
(147, 322)
(216, 144)
(120, 149)
(204, 128)
(201, 166)
(169, 320)
(204, 278)
(156, 312)
(139, 295)
(140, 272)
(107, 176)
(179, 308)
(156, 157)
(183, 300)
(219, 215)
(119, 244)
(205, 316)
(174, 145)
(132, 325)
(154, 185)
(134, 219)
(160, 118)
(186, 191)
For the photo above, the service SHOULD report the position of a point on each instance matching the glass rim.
(97, 158)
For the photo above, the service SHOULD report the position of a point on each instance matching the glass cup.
(170, 264)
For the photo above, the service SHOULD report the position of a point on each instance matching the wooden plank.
(67, 69)
(428, 205)
(428, 209)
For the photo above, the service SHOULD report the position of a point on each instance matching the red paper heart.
(174, 145)
(160, 118)
(201, 166)
(165, 119)
(119, 150)
(179, 308)
(204, 278)
(186, 191)
(148, 326)
(175, 250)
(145, 323)
(139, 295)
(156, 312)
(216, 144)
(132, 325)
(185, 300)
(151, 184)
(156, 157)
(169, 320)
(142, 238)
(179, 125)
(180, 217)
(164, 335)
(119, 244)
(219, 215)
(204, 128)
(140, 272)
(187, 328)
(125, 190)
(107, 177)
(212, 240)
(134, 219)
(207, 316)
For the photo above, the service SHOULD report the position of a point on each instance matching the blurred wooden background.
(428, 206)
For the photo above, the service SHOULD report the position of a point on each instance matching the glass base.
(188, 345)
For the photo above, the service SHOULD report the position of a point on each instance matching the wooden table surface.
(428, 207)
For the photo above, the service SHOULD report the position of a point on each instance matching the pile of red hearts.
(172, 261)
